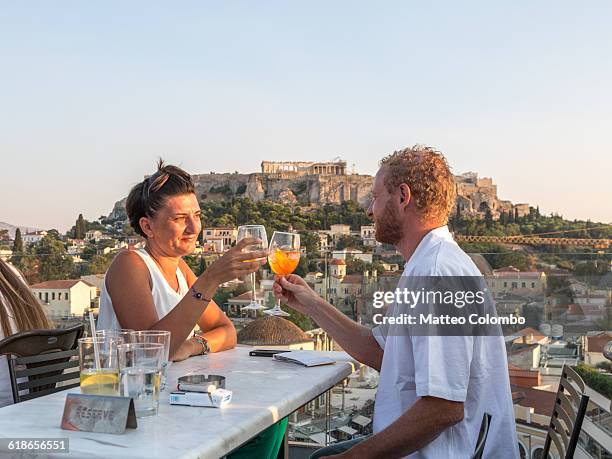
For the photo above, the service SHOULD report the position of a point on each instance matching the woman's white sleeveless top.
(165, 297)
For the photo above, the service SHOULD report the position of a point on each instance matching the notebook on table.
(306, 358)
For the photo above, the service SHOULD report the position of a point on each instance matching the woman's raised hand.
(235, 263)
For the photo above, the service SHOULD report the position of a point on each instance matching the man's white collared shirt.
(468, 369)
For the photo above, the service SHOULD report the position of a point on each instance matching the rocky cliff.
(474, 195)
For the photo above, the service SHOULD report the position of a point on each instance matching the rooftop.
(541, 401)
(598, 342)
(272, 331)
(61, 284)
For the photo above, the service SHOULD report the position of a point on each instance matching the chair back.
(568, 414)
(37, 360)
(485, 425)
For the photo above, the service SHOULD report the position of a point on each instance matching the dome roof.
(337, 261)
(272, 331)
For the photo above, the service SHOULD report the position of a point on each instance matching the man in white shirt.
(433, 389)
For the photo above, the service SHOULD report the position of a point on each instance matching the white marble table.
(264, 391)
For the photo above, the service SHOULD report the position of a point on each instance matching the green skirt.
(265, 445)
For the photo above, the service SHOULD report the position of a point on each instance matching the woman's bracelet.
(198, 296)
(198, 338)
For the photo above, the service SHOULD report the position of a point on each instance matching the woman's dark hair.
(146, 198)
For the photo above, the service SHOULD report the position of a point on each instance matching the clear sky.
(91, 93)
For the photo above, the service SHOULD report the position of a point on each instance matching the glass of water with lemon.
(99, 365)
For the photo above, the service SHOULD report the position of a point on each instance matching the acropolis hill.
(318, 183)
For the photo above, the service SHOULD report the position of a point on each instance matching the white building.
(75, 246)
(367, 235)
(222, 237)
(132, 240)
(62, 298)
(33, 237)
(324, 240)
(344, 254)
(512, 280)
(338, 230)
(93, 234)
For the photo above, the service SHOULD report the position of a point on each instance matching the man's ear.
(405, 194)
(145, 226)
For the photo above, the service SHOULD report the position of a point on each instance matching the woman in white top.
(153, 288)
(19, 311)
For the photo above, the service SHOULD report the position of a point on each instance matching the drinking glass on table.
(258, 232)
(156, 337)
(140, 366)
(122, 334)
(283, 258)
(99, 365)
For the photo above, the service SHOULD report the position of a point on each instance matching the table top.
(264, 391)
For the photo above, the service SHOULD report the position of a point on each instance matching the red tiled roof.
(598, 342)
(517, 275)
(528, 331)
(60, 284)
(272, 331)
(541, 401)
(506, 269)
(337, 261)
(352, 279)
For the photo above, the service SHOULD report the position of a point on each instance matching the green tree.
(302, 267)
(488, 219)
(310, 241)
(299, 319)
(196, 263)
(355, 265)
(18, 243)
(98, 264)
(351, 241)
(54, 262)
(80, 228)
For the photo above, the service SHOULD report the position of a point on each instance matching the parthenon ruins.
(304, 168)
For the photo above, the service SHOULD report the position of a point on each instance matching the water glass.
(99, 375)
(122, 333)
(258, 232)
(140, 366)
(157, 337)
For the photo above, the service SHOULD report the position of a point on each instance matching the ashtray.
(201, 383)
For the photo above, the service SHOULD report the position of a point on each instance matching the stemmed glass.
(258, 232)
(284, 256)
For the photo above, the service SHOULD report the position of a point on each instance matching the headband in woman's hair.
(153, 185)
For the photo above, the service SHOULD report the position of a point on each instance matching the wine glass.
(284, 256)
(258, 232)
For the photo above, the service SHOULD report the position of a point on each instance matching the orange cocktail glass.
(284, 256)
(283, 262)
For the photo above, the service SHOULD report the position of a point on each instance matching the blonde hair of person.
(429, 177)
(19, 303)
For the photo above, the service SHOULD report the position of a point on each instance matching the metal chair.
(568, 414)
(485, 425)
(38, 358)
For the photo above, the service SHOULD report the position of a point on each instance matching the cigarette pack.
(215, 399)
